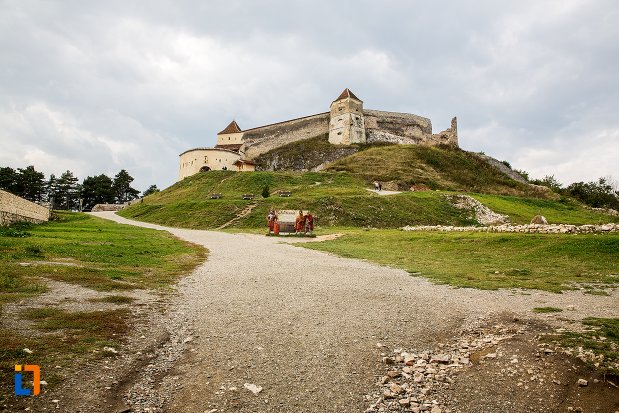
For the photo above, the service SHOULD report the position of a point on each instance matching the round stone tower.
(346, 125)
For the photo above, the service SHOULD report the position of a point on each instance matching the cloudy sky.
(98, 86)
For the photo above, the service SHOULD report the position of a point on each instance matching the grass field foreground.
(92, 253)
(490, 260)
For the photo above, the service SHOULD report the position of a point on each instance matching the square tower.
(346, 125)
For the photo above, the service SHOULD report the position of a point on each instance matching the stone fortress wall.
(16, 209)
(346, 123)
(265, 138)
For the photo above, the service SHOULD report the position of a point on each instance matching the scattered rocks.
(482, 213)
(252, 388)
(582, 383)
(416, 380)
(526, 229)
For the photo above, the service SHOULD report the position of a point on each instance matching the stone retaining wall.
(526, 229)
(16, 209)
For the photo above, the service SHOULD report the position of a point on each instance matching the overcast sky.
(99, 86)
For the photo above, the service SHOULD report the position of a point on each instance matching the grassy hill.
(444, 168)
(335, 199)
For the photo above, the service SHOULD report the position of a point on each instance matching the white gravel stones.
(526, 229)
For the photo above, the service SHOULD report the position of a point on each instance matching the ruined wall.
(15, 209)
(393, 127)
(447, 137)
(265, 138)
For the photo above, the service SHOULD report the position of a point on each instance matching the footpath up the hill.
(311, 330)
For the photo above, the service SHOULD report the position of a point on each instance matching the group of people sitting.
(304, 223)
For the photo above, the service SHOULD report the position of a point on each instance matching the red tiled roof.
(347, 94)
(233, 127)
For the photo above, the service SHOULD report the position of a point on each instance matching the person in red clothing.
(299, 223)
(309, 222)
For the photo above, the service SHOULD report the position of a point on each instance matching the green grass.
(601, 339)
(522, 210)
(547, 310)
(488, 260)
(101, 255)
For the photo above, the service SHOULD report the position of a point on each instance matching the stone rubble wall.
(525, 229)
(108, 207)
(15, 209)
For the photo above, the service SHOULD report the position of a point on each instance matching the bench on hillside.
(216, 196)
(285, 193)
(248, 196)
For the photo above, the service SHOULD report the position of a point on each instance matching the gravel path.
(306, 326)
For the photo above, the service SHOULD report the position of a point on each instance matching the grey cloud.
(529, 81)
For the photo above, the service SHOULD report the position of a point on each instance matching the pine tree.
(68, 191)
(122, 187)
(31, 184)
(151, 190)
(8, 179)
(97, 190)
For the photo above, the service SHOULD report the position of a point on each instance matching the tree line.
(65, 192)
(602, 193)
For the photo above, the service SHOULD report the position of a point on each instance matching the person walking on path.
(380, 186)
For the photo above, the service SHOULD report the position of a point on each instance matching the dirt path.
(383, 192)
(305, 325)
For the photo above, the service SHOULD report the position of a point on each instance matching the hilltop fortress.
(347, 123)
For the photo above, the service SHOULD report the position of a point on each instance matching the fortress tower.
(346, 124)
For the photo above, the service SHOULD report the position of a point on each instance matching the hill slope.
(335, 199)
(444, 168)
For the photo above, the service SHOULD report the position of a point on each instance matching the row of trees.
(65, 191)
(603, 193)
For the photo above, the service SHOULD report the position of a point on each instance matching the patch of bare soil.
(529, 376)
(500, 366)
